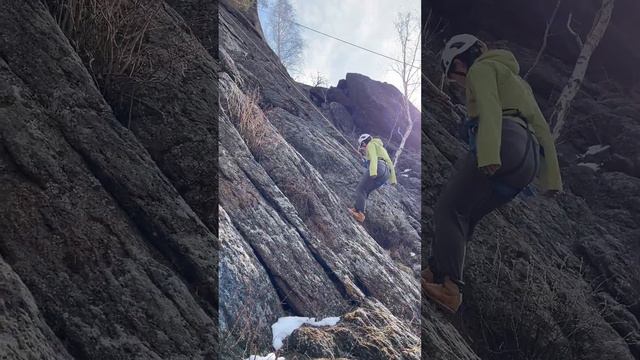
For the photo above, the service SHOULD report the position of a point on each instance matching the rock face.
(110, 172)
(549, 278)
(288, 170)
(106, 253)
(108, 240)
(116, 242)
(376, 108)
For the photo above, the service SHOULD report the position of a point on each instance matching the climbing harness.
(498, 183)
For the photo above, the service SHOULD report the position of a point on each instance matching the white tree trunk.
(407, 71)
(600, 24)
(407, 132)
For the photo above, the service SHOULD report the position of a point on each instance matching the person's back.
(498, 69)
(376, 151)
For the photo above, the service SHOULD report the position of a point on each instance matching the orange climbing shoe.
(427, 275)
(357, 215)
(446, 295)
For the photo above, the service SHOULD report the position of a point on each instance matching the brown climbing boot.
(427, 278)
(357, 215)
(446, 295)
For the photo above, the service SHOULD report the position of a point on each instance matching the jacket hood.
(377, 141)
(504, 57)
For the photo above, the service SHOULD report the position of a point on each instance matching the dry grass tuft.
(243, 337)
(554, 310)
(244, 5)
(243, 107)
(108, 34)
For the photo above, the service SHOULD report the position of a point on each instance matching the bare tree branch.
(544, 38)
(283, 35)
(318, 80)
(573, 32)
(563, 104)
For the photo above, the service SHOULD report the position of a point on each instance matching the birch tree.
(283, 35)
(408, 31)
(599, 27)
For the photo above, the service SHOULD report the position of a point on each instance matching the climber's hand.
(490, 169)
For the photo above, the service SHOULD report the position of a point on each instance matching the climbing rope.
(288, 79)
(355, 45)
(429, 82)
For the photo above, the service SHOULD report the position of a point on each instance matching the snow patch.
(592, 166)
(405, 171)
(594, 149)
(288, 324)
(270, 356)
(412, 254)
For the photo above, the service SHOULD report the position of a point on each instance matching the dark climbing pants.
(368, 184)
(470, 195)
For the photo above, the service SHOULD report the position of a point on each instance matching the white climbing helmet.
(363, 138)
(456, 46)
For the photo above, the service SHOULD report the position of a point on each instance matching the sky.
(369, 26)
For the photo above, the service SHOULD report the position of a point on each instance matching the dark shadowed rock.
(548, 278)
(341, 117)
(377, 108)
(116, 262)
(523, 23)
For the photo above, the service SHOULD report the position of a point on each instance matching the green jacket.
(376, 151)
(493, 84)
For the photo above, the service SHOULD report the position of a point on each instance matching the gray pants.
(470, 195)
(367, 184)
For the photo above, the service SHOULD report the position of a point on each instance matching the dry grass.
(299, 196)
(113, 39)
(243, 338)
(553, 311)
(244, 109)
(243, 5)
(108, 34)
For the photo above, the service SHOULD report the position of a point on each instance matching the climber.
(380, 169)
(510, 143)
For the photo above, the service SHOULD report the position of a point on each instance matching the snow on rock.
(592, 166)
(287, 325)
(594, 149)
(270, 356)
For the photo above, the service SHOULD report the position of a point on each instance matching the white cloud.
(369, 26)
